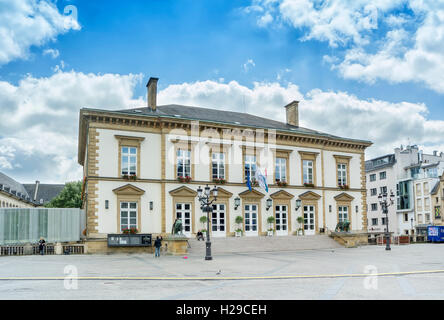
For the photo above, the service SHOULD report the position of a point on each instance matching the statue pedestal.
(350, 239)
(177, 245)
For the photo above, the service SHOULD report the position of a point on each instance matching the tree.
(69, 197)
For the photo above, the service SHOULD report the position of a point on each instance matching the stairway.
(264, 244)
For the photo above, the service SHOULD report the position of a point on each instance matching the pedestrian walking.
(157, 246)
(42, 244)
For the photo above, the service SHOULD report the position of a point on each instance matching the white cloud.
(384, 123)
(377, 42)
(54, 53)
(40, 134)
(29, 23)
(248, 65)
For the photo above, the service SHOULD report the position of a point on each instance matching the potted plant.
(270, 221)
(343, 186)
(203, 220)
(183, 179)
(130, 231)
(238, 220)
(219, 181)
(308, 185)
(300, 220)
(281, 183)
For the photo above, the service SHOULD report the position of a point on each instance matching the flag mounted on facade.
(261, 178)
(248, 180)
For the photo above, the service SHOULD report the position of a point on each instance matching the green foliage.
(70, 197)
(270, 219)
(300, 220)
(203, 219)
(239, 219)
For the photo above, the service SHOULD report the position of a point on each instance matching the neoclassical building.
(142, 168)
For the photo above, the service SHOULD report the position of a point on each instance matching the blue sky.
(250, 46)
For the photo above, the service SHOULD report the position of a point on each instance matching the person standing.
(157, 245)
(42, 244)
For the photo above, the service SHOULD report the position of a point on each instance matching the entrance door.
(183, 212)
(281, 212)
(218, 220)
(343, 213)
(309, 220)
(251, 220)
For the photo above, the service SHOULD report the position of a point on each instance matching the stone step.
(264, 244)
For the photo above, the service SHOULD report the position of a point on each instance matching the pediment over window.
(282, 195)
(344, 197)
(222, 193)
(183, 192)
(309, 195)
(129, 189)
(251, 194)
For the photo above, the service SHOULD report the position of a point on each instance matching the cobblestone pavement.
(319, 262)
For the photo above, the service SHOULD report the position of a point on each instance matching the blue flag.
(248, 180)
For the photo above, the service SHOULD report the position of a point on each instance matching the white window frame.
(342, 174)
(281, 169)
(307, 171)
(183, 155)
(342, 212)
(130, 211)
(218, 163)
(128, 155)
(250, 164)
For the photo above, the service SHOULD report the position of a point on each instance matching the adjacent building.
(14, 194)
(412, 176)
(142, 168)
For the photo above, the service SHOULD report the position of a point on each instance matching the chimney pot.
(152, 93)
(292, 110)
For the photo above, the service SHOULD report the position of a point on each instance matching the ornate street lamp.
(207, 206)
(384, 204)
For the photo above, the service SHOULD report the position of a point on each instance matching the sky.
(370, 70)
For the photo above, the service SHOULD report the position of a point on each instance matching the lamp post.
(385, 204)
(207, 206)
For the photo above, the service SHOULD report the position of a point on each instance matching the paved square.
(263, 266)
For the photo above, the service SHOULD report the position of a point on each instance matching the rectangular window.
(427, 217)
(426, 188)
(343, 213)
(420, 218)
(307, 169)
(128, 215)
(383, 190)
(382, 175)
(418, 189)
(374, 207)
(218, 165)
(129, 160)
(342, 174)
(373, 177)
(183, 163)
(383, 221)
(419, 204)
(427, 204)
(281, 170)
(374, 221)
(250, 166)
(373, 191)
(403, 189)
(406, 217)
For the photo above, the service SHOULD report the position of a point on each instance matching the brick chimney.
(152, 93)
(293, 113)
